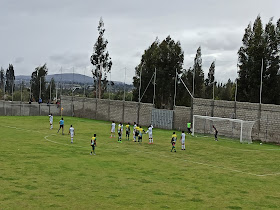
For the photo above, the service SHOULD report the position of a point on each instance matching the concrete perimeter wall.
(266, 116)
(109, 110)
(15, 108)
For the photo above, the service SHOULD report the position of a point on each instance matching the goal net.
(233, 128)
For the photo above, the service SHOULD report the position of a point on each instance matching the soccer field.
(42, 169)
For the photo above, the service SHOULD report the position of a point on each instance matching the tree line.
(160, 72)
(161, 79)
(259, 53)
(39, 89)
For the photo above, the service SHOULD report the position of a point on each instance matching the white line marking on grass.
(220, 167)
(269, 174)
(46, 137)
(194, 162)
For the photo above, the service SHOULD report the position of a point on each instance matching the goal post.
(233, 128)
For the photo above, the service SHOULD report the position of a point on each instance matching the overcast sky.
(62, 33)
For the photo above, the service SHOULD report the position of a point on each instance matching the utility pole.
(261, 83)
(21, 91)
(30, 93)
(140, 85)
(124, 84)
(50, 91)
(175, 85)
(154, 87)
(85, 82)
(13, 91)
(193, 81)
(40, 89)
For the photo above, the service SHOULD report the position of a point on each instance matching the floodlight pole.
(72, 105)
(85, 82)
(30, 92)
(124, 84)
(4, 83)
(50, 91)
(60, 84)
(175, 85)
(13, 91)
(73, 85)
(138, 110)
(193, 81)
(261, 83)
(110, 86)
(21, 91)
(40, 89)
(140, 84)
(235, 97)
(56, 92)
(213, 90)
(154, 87)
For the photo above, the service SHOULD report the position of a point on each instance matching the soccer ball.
(260, 143)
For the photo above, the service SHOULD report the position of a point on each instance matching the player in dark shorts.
(173, 142)
(127, 131)
(93, 144)
(215, 133)
(136, 132)
(61, 125)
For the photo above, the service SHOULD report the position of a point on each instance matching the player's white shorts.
(51, 122)
(113, 130)
(150, 135)
(183, 141)
(72, 135)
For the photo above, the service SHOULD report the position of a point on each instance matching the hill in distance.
(67, 78)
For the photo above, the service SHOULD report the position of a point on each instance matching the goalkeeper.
(189, 125)
(215, 133)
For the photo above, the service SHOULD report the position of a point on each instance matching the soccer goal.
(233, 128)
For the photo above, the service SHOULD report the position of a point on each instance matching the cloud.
(62, 33)
(19, 60)
(70, 59)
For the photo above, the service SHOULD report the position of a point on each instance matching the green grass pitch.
(40, 169)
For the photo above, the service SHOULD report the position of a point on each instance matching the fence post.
(72, 105)
(5, 110)
(123, 113)
(84, 107)
(259, 118)
(235, 110)
(96, 108)
(212, 108)
(173, 117)
(109, 101)
(138, 113)
(192, 101)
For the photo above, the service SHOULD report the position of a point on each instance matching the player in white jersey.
(51, 120)
(183, 138)
(72, 133)
(134, 130)
(113, 129)
(150, 131)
